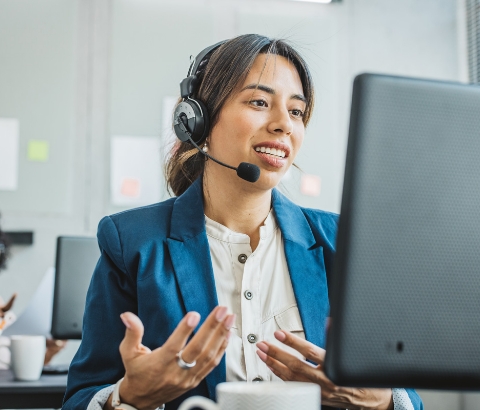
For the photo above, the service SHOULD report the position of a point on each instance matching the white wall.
(81, 71)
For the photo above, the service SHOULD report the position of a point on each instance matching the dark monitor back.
(406, 286)
(76, 259)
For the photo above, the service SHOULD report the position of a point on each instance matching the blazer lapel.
(190, 255)
(305, 263)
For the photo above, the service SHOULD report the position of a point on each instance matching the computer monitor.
(405, 291)
(75, 261)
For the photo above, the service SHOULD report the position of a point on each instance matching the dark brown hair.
(228, 67)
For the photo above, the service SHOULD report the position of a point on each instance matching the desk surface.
(47, 392)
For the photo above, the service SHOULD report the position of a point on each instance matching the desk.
(41, 394)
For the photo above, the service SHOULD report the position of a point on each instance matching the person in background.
(53, 346)
(4, 254)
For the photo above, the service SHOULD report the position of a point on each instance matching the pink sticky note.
(310, 185)
(130, 188)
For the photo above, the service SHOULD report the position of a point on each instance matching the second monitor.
(76, 259)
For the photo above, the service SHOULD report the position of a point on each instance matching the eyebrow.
(271, 91)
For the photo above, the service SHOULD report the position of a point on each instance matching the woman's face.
(262, 123)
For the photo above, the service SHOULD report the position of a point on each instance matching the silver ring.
(182, 363)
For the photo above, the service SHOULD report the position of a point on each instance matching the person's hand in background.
(5, 307)
(53, 347)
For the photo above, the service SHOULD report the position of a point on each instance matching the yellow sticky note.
(38, 150)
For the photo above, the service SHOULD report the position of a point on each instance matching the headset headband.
(187, 86)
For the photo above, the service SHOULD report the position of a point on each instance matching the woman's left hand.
(290, 368)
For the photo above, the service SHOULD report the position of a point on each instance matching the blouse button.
(252, 338)
(242, 258)
(258, 379)
(248, 295)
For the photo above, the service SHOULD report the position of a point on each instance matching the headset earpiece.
(190, 118)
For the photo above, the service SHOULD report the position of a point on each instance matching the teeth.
(271, 151)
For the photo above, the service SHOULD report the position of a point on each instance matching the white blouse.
(256, 286)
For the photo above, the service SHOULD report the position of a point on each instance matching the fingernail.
(193, 319)
(125, 321)
(229, 322)
(262, 356)
(280, 335)
(263, 347)
(221, 313)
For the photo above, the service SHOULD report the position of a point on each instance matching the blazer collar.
(305, 266)
(190, 255)
(188, 218)
(292, 221)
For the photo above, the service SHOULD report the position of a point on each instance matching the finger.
(182, 332)
(291, 371)
(131, 345)
(214, 363)
(278, 368)
(221, 334)
(297, 368)
(308, 350)
(208, 330)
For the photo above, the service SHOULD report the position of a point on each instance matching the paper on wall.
(135, 170)
(9, 149)
(310, 185)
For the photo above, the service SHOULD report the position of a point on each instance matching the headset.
(190, 117)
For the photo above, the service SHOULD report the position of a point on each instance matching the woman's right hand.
(153, 378)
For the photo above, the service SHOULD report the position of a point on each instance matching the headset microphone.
(248, 172)
(190, 118)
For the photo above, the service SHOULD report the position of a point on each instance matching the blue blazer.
(155, 261)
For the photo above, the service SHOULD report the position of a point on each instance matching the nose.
(280, 122)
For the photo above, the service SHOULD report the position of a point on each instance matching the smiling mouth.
(271, 151)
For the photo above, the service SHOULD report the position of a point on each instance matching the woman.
(224, 241)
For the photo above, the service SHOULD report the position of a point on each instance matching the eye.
(258, 103)
(297, 113)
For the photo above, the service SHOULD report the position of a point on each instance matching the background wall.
(76, 73)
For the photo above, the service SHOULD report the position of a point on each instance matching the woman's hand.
(153, 378)
(289, 367)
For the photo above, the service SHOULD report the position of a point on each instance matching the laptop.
(75, 261)
(405, 292)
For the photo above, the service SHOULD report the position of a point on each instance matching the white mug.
(263, 395)
(27, 356)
